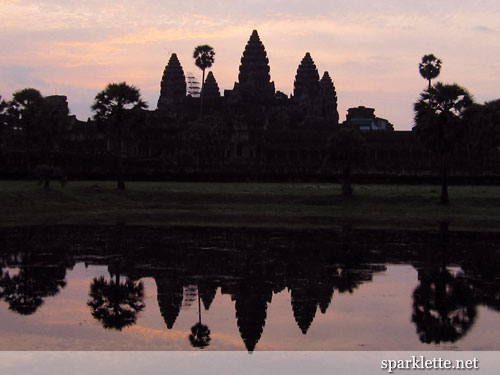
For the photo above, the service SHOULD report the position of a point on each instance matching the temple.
(250, 131)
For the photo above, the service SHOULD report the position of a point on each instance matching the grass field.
(304, 205)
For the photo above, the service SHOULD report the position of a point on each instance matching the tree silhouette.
(25, 290)
(346, 150)
(204, 58)
(116, 304)
(24, 116)
(440, 125)
(430, 67)
(484, 130)
(443, 307)
(115, 107)
(200, 333)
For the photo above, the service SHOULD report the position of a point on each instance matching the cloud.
(483, 29)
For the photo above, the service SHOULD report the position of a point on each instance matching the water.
(153, 288)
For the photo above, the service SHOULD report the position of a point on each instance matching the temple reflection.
(190, 265)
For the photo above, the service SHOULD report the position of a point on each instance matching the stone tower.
(173, 85)
(306, 85)
(328, 99)
(254, 80)
(210, 88)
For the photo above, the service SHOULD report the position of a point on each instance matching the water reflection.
(444, 305)
(114, 303)
(251, 266)
(31, 277)
(200, 333)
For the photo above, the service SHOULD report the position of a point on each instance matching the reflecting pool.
(160, 288)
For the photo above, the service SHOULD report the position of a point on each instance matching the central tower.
(254, 80)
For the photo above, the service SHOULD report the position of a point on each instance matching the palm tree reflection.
(116, 304)
(200, 333)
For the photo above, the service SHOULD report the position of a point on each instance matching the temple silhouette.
(251, 131)
(251, 266)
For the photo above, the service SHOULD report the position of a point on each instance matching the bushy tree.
(483, 130)
(114, 108)
(440, 124)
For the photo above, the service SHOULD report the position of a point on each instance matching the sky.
(370, 48)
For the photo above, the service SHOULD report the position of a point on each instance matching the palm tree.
(113, 107)
(200, 333)
(204, 58)
(116, 304)
(430, 67)
(439, 123)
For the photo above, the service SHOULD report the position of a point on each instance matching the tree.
(113, 108)
(440, 125)
(200, 333)
(24, 111)
(347, 148)
(484, 130)
(444, 304)
(204, 58)
(430, 67)
(26, 289)
(116, 304)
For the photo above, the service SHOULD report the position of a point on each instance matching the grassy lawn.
(249, 204)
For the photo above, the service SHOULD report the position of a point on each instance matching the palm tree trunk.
(201, 93)
(199, 307)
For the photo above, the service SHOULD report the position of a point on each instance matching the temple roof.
(307, 78)
(210, 88)
(173, 84)
(328, 98)
(254, 77)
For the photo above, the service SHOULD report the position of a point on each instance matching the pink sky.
(371, 49)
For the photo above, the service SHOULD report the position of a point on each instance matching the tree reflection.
(116, 304)
(25, 290)
(200, 333)
(444, 307)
